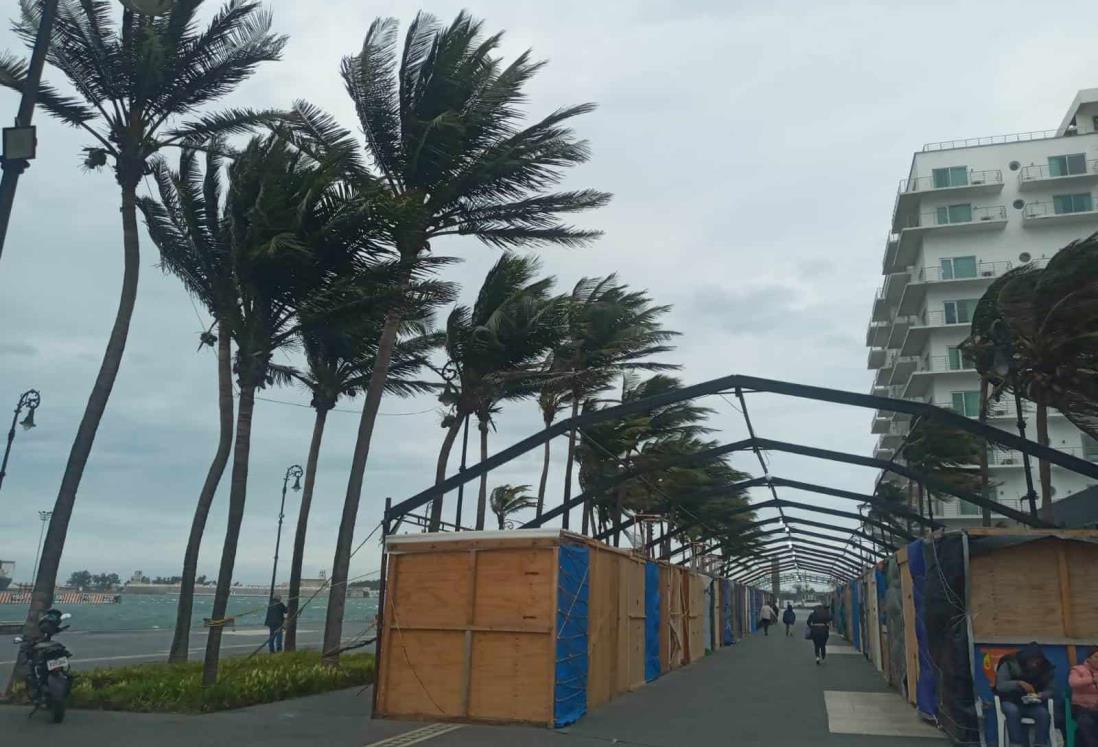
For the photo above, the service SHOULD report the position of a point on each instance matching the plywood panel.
(425, 673)
(635, 622)
(602, 628)
(513, 588)
(911, 643)
(676, 618)
(1000, 578)
(430, 588)
(665, 619)
(1082, 561)
(695, 610)
(509, 671)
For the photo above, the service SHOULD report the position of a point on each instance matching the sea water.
(157, 611)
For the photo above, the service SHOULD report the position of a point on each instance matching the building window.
(954, 268)
(966, 403)
(954, 214)
(964, 508)
(960, 312)
(1090, 448)
(1075, 163)
(954, 176)
(1080, 203)
(958, 360)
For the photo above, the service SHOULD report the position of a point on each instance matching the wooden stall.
(911, 645)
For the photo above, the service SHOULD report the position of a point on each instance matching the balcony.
(893, 436)
(1009, 458)
(898, 331)
(876, 335)
(914, 295)
(988, 218)
(882, 452)
(904, 367)
(912, 191)
(922, 377)
(1035, 177)
(1045, 213)
(876, 358)
(918, 332)
(1004, 409)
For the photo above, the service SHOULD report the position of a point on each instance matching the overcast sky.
(753, 155)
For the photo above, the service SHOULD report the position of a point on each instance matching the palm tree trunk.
(482, 495)
(1043, 467)
(544, 472)
(922, 503)
(440, 469)
(568, 467)
(54, 544)
(337, 597)
(985, 513)
(181, 637)
(238, 492)
(294, 592)
(618, 508)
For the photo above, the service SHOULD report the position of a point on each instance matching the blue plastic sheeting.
(882, 593)
(727, 636)
(926, 688)
(651, 621)
(708, 626)
(856, 615)
(570, 691)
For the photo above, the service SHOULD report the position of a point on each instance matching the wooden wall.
(616, 627)
(1056, 579)
(695, 612)
(468, 634)
(911, 642)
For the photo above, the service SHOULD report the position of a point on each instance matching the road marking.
(416, 735)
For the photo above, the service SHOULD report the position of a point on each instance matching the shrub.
(243, 682)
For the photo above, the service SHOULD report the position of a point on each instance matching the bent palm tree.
(946, 453)
(448, 156)
(132, 79)
(493, 350)
(506, 500)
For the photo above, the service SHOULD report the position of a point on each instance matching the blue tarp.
(570, 691)
(882, 593)
(856, 615)
(651, 621)
(926, 689)
(710, 589)
(727, 636)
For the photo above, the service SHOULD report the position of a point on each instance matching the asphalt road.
(92, 650)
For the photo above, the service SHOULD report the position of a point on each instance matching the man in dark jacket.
(789, 617)
(1024, 684)
(276, 618)
(819, 627)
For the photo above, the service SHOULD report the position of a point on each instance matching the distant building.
(969, 211)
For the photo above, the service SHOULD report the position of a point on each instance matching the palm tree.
(509, 499)
(448, 156)
(339, 358)
(186, 227)
(493, 350)
(1033, 335)
(132, 79)
(943, 452)
(610, 330)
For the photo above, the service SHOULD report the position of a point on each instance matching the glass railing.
(1039, 171)
(971, 179)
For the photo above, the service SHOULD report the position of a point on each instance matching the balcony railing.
(983, 270)
(1042, 171)
(973, 179)
(937, 318)
(1010, 458)
(1017, 137)
(933, 218)
(942, 364)
(1048, 210)
(1004, 408)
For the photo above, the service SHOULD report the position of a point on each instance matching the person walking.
(819, 630)
(1083, 680)
(1024, 684)
(767, 615)
(789, 617)
(276, 620)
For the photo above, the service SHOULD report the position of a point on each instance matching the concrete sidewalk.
(765, 691)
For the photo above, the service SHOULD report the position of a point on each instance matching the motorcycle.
(48, 679)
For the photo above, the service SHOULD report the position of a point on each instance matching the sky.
(753, 153)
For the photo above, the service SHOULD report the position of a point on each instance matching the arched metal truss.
(888, 526)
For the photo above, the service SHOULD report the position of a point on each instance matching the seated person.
(1083, 681)
(1024, 684)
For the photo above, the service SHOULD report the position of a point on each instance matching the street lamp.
(295, 472)
(45, 517)
(30, 400)
(1005, 367)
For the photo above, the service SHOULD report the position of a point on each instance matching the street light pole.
(1005, 366)
(45, 517)
(295, 472)
(13, 167)
(29, 399)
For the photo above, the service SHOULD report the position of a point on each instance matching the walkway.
(765, 691)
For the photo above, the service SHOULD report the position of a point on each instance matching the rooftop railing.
(971, 142)
(973, 179)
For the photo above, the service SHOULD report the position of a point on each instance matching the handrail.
(974, 179)
(1016, 137)
(1047, 209)
(1040, 171)
(933, 274)
(929, 218)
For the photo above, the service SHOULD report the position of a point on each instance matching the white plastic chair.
(1054, 737)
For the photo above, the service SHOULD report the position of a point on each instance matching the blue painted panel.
(651, 621)
(573, 592)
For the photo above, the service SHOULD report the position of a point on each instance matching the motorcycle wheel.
(57, 711)
(58, 688)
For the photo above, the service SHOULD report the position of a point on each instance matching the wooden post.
(1064, 572)
(381, 596)
(470, 614)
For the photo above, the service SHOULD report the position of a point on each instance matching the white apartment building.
(968, 211)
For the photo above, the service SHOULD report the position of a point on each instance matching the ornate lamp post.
(295, 472)
(28, 400)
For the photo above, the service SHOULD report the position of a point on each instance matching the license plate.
(61, 663)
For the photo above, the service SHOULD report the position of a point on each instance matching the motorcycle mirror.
(66, 616)
(17, 639)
